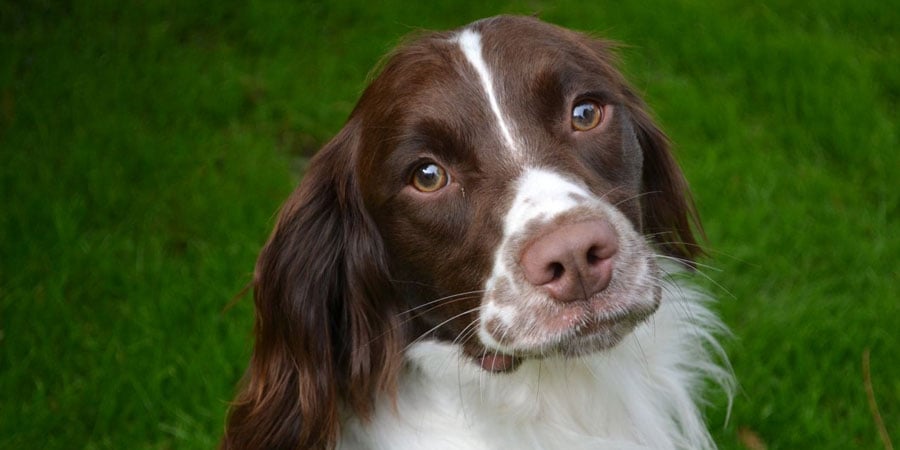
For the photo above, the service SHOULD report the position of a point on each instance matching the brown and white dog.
(491, 254)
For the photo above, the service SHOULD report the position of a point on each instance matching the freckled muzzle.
(572, 276)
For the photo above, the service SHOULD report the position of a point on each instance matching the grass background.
(145, 147)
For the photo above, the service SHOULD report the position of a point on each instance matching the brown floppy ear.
(326, 331)
(668, 212)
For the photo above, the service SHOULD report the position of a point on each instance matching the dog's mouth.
(498, 362)
(569, 336)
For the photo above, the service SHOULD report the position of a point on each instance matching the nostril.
(571, 261)
(593, 256)
(557, 269)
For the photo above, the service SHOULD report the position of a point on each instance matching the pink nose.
(572, 262)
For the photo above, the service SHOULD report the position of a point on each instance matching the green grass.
(144, 150)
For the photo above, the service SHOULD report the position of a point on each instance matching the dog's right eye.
(429, 177)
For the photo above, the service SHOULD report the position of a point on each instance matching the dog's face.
(482, 154)
(499, 187)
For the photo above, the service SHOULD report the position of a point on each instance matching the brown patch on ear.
(327, 333)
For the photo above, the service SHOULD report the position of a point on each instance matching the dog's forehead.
(515, 32)
(493, 88)
(507, 55)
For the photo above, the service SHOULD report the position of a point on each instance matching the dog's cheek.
(419, 237)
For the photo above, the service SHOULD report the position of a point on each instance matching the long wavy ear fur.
(326, 331)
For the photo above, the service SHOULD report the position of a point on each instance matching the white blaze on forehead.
(470, 43)
(542, 194)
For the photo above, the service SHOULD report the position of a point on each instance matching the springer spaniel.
(491, 254)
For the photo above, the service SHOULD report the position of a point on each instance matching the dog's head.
(499, 187)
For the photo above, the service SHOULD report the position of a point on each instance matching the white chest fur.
(639, 395)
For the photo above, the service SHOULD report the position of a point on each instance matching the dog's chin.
(594, 337)
(495, 361)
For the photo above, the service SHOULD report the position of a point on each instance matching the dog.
(494, 252)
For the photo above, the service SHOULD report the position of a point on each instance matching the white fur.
(541, 193)
(638, 395)
(470, 44)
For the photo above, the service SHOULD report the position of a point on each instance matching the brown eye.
(429, 177)
(586, 115)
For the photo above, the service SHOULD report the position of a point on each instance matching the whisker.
(705, 249)
(609, 192)
(633, 197)
(667, 284)
(417, 283)
(454, 297)
(700, 272)
(466, 333)
(423, 335)
(432, 308)
(649, 239)
(537, 389)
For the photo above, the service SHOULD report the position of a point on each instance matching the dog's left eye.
(586, 115)
(429, 177)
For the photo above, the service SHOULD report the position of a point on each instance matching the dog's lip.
(496, 362)
(577, 333)
(608, 320)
